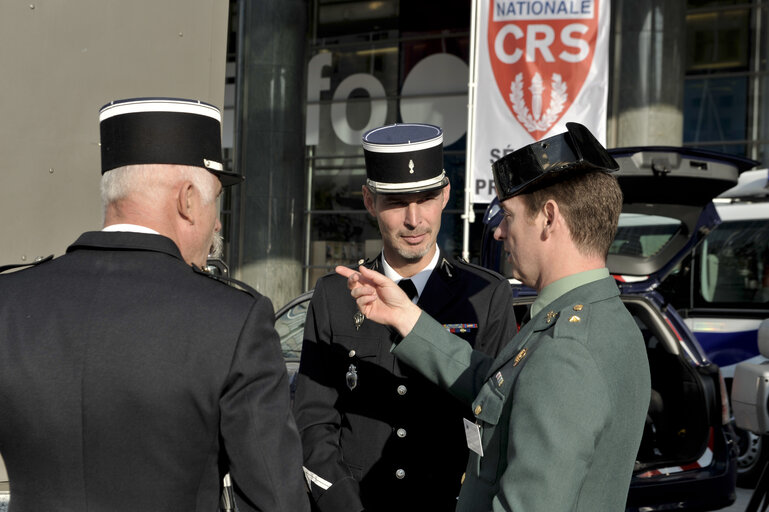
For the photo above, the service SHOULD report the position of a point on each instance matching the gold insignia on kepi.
(551, 316)
(520, 356)
(575, 319)
(578, 307)
(358, 320)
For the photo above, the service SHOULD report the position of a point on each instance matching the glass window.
(734, 264)
(643, 235)
(717, 40)
(721, 82)
(694, 4)
(349, 16)
(358, 80)
(716, 110)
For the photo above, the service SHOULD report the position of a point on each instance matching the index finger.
(344, 271)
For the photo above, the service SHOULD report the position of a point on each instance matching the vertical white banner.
(541, 64)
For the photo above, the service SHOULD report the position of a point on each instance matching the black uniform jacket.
(130, 382)
(385, 438)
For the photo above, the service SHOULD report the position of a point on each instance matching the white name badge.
(473, 434)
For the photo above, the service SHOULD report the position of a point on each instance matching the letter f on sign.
(316, 83)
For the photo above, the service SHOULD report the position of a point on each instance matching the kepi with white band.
(163, 131)
(404, 158)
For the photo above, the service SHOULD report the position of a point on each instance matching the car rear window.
(643, 235)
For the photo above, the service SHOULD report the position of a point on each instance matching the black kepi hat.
(574, 151)
(163, 131)
(404, 158)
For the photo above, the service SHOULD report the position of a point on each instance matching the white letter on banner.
(378, 113)
(574, 42)
(543, 45)
(499, 44)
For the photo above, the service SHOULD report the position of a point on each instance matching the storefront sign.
(540, 64)
(434, 91)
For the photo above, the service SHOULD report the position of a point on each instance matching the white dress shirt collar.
(131, 228)
(419, 279)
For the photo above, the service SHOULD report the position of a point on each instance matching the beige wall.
(60, 62)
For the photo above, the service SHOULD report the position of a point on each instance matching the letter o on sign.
(378, 113)
(435, 92)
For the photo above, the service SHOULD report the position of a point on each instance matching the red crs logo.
(541, 52)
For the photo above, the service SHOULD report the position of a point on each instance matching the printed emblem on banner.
(541, 52)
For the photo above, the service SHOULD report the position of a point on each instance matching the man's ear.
(184, 201)
(446, 194)
(550, 212)
(368, 200)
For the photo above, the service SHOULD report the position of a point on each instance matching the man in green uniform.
(559, 413)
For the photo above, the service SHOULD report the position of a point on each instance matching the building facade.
(306, 78)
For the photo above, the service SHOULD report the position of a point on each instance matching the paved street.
(743, 497)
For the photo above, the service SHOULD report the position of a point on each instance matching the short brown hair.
(590, 203)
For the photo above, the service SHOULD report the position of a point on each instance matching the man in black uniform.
(376, 435)
(130, 379)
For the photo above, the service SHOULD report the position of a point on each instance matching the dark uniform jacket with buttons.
(386, 439)
(561, 409)
(128, 382)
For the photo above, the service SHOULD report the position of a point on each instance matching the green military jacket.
(560, 410)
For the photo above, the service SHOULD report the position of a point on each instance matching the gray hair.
(148, 179)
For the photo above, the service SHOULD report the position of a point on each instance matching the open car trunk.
(677, 427)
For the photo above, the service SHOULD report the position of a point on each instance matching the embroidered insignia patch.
(551, 315)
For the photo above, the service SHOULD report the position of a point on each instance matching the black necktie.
(408, 286)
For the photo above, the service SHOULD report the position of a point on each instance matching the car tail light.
(725, 414)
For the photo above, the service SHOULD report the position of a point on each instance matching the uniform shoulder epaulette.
(37, 261)
(462, 263)
(370, 263)
(572, 321)
(234, 283)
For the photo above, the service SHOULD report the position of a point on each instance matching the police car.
(687, 458)
(722, 291)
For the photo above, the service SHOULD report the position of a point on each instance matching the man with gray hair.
(129, 378)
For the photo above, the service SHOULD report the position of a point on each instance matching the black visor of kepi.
(163, 131)
(575, 150)
(404, 158)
